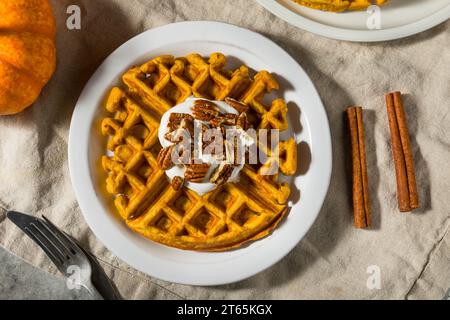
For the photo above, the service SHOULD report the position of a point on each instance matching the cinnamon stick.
(361, 200)
(407, 195)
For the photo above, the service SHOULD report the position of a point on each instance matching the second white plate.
(398, 19)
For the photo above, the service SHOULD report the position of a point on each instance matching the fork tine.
(50, 239)
(63, 237)
(57, 260)
(59, 235)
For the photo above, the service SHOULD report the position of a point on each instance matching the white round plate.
(86, 146)
(399, 19)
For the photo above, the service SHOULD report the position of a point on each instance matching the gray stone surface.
(19, 280)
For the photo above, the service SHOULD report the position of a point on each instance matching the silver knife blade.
(21, 220)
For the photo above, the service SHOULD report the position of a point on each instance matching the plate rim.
(82, 192)
(336, 33)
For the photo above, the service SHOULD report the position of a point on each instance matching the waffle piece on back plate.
(339, 5)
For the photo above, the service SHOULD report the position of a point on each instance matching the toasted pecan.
(177, 134)
(232, 151)
(164, 158)
(227, 119)
(196, 172)
(181, 120)
(177, 183)
(237, 105)
(242, 121)
(177, 117)
(205, 110)
(222, 174)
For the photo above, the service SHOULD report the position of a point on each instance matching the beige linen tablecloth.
(412, 251)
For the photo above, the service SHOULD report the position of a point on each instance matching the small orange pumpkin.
(27, 52)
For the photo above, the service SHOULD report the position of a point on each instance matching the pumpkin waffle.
(228, 216)
(339, 5)
(284, 156)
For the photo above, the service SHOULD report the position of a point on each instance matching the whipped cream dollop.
(179, 170)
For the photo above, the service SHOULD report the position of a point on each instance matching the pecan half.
(204, 128)
(164, 158)
(242, 121)
(214, 141)
(176, 117)
(216, 122)
(179, 132)
(232, 151)
(174, 136)
(204, 110)
(222, 174)
(181, 120)
(188, 124)
(237, 105)
(228, 119)
(183, 154)
(196, 172)
(177, 183)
